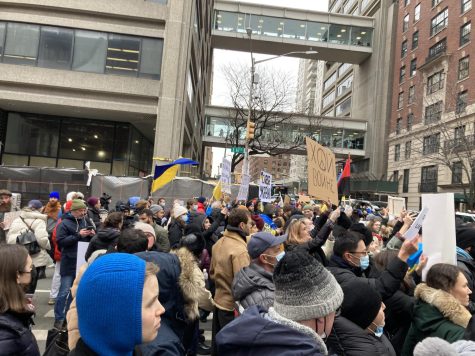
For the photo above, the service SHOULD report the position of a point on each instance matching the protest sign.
(438, 230)
(81, 257)
(304, 199)
(396, 205)
(9, 217)
(244, 188)
(226, 176)
(265, 187)
(416, 224)
(322, 182)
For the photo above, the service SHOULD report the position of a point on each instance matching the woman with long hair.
(16, 268)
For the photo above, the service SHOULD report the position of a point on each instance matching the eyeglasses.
(361, 252)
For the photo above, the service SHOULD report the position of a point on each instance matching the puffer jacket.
(349, 339)
(37, 222)
(16, 337)
(253, 285)
(105, 238)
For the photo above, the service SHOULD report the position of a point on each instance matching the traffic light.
(251, 127)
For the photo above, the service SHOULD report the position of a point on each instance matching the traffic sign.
(237, 149)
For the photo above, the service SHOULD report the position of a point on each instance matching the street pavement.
(44, 319)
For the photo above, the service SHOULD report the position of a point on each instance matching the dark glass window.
(438, 49)
(439, 22)
(405, 181)
(410, 97)
(462, 98)
(90, 50)
(21, 43)
(56, 47)
(435, 82)
(466, 5)
(402, 74)
(398, 125)
(415, 39)
(403, 48)
(464, 64)
(410, 121)
(3, 26)
(413, 67)
(407, 150)
(123, 55)
(465, 33)
(431, 144)
(405, 23)
(397, 152)
(457, 172)
(433, 112)
(151, 58)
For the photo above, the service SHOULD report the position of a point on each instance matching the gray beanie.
(432, 346)
(156, 208)
(464, 347)
(304, 289)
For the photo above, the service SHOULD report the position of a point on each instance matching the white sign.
(226, 176)
(265, 187)
(396, 205)
(244, 188)
(8, 219)
(81, 258)
(412, 232)
(438, 230)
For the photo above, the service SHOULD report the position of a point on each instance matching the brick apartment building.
(431, 132)
(278, 166)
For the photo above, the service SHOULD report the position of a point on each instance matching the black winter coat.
(175, 233)
(349, 339)
(16, 337)
(82, 349)
(94, 215)
(105, 238)
(253, 285)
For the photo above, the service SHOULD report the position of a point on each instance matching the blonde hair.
(293, 231)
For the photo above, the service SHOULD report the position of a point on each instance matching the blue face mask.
(184, 218)
(364, 262)
(379, 331)
(280, 256)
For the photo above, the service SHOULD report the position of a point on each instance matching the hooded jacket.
(16, 337)
(37, 222)
(175, 233)
(436, 314)
(253, 285)
(105, 238)
(257, 333)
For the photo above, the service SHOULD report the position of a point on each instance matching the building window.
(395, 176)
(410, 97)
(433, 112)
(410, 121)
(461, 101)
(435, 82)
(21, 43)
(466, 5)
(459, 133)
(413, 67)
(400, 100)
(56, 47)
(439, 22)
(405, 181)
(465, 33)
(429, 179)
(123, 55)
(344, 107)
(435, 2)
(437, 49)
(457, 172)
(407, 2)
(398, 125)
(330, 81)
(415, 39)
(463, 67)
(397, 152)
(329, 99)
(402, 74)
(89, 51)
(405, 23)
(403, 49)
(417, 12)
(407, 150)
(345, 85)
(431, 144)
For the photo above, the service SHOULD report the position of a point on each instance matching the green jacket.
(161, 238)
(436, 314)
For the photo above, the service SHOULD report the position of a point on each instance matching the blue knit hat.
(54, 195)
(109, 304)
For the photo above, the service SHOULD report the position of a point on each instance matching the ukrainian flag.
(164, 174)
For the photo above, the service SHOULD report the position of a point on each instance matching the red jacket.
(201, 208)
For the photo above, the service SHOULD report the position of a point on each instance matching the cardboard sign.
(438, 230)
(226, 176)
(416, 224)
(304, 199)
(321, 172)
(396, 205)
(8, 219)
(287, 199)
(81, 258)
(265, 187)
(244, 188)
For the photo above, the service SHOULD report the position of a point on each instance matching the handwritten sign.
(416, 224)
(396, 205)
(226, 176)
(321, 172)
(244, 188)
(9, 217)
(265, 187)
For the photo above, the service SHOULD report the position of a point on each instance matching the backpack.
(50, 225)
(28, 240)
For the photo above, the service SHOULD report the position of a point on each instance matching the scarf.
(464, 254)
(52, 210)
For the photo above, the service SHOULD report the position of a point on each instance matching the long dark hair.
(12, 261)
(442, 276)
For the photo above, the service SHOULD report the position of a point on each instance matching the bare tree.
(271, 111)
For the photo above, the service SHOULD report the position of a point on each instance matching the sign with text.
(396, 205)
(265, 187)
(416, 224)
(226, 176)
(244, 188)
(81, 257)
(321, 172)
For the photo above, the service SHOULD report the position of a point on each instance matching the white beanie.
(434, 346)
(146, 228)
(70, 195)
(179, 210)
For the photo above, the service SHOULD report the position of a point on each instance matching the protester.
(253, 285)
(297, 234)
(161, 242)
(306, 298)
(441, 307)
(465, 238)
(201, 205)
(229, 257)
(177, 224)
(105, 200)
(93, 206)
(158, 214)
(117, 305)
(6, 206)
(31, 219)
(107, 235)
(308, 211)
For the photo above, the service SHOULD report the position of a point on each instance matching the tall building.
(112, 83)
(431, 140)
(278, 166)
(208, 162)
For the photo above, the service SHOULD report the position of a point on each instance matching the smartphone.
(89, 228)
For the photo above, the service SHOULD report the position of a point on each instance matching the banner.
(81, 256)
(265, 187)
(226, 176)
(396, 205)
(322, 182)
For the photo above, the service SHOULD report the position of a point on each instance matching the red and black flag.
(344, 180)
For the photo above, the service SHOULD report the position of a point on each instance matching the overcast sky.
(221, 58)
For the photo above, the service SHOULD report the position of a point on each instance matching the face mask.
(378, 332)
(195, 207)
(162, 204)
(364, 262)
(184, 218)
(280, 256)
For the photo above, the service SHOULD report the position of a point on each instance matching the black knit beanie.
(363, 230)
(361, 303)
(465, 237)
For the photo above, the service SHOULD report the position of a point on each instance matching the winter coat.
(349, 339)
(95, 217)
(37, 222)
(229, 257)
(196, 227)
(167, 343)
(386, 284)
(436, 314)
(161, 240)
(175, 233)
(105, 238)
(16, 337)
(67, 238)
(253, 285)
(398, 314)
(259, 334)
(82, 349)
(468, 268)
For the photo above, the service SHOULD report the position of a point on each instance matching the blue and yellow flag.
(165, 173)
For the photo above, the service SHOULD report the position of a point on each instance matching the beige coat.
(37, 222)
(229, 257)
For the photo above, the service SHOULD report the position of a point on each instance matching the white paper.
(226, 176)
(81, 258)
(438, 230)
(9, 217)
(244, 188)
(265, 187)
(412, 232)
(396, 205)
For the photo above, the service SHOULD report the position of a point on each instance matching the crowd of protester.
(279, 279)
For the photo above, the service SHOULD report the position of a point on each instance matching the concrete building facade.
(431, 140)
